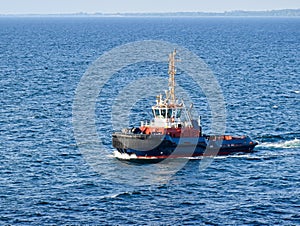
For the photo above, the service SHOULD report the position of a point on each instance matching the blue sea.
(45, 178)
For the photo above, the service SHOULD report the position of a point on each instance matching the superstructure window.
(178, 113)
(156, 112)
(163, 112)
(169, 115)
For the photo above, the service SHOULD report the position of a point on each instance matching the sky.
(125, 6)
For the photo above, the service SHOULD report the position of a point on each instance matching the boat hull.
(132, 147)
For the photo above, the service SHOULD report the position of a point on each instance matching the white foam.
(240, 156)
(124, 155)
(285, 144)
(194, 157)
(114, 195)
(297, 91)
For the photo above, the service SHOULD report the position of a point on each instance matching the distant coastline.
(236, 13)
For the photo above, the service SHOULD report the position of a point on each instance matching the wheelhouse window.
(178, 113)
(166, 113)
(169, 114)
(163, 112)
(156, 113)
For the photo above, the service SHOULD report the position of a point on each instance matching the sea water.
(45, 177)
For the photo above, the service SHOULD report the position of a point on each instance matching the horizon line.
(147, 13)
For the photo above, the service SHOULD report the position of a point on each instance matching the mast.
(172, 73)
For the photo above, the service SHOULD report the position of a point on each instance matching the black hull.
(155, 148)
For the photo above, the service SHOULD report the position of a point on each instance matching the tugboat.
(173, 133)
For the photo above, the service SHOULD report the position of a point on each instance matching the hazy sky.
(113, 6)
